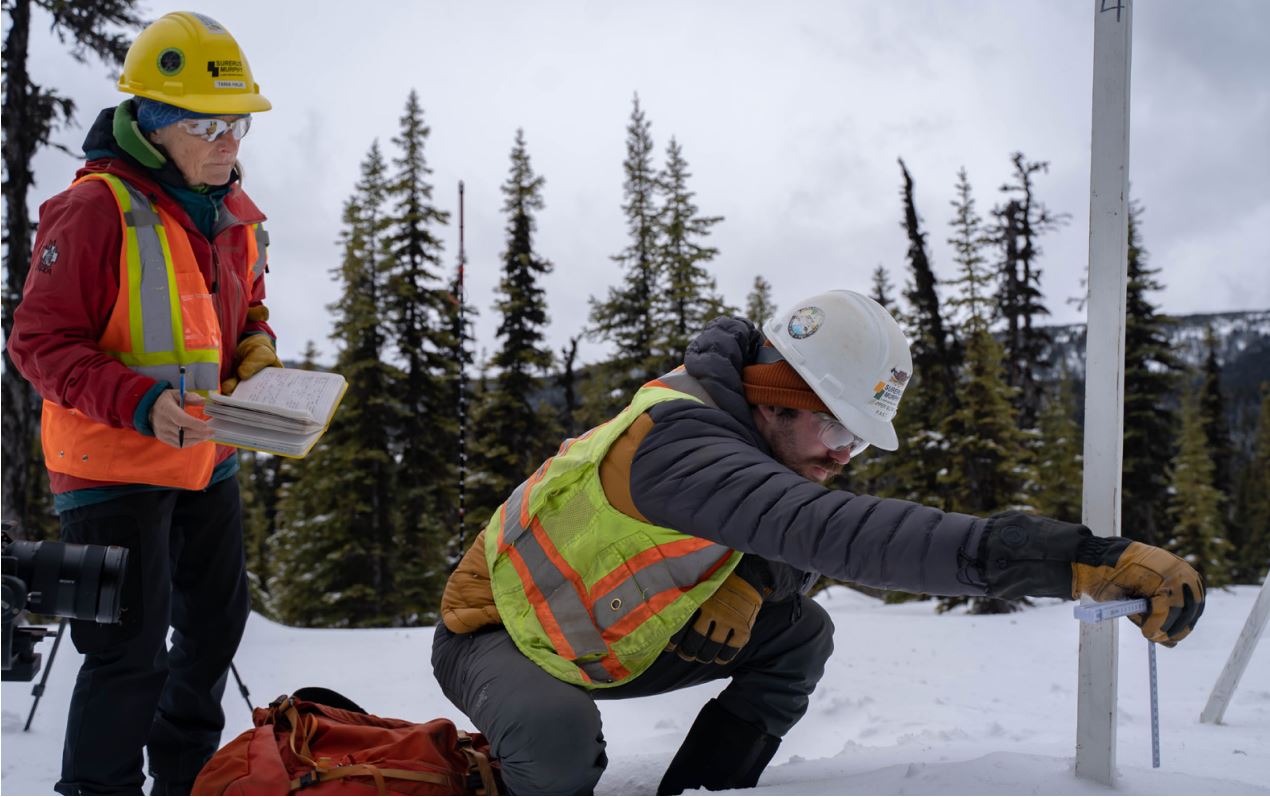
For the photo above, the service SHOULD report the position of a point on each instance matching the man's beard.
(783, 450)
(830, 468)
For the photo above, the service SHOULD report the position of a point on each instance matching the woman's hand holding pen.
(175, 426)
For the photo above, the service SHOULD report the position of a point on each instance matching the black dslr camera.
(83, 582)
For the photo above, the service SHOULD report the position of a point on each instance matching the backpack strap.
(479, 769)
(324, 774)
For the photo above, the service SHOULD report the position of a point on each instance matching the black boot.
(722, 751)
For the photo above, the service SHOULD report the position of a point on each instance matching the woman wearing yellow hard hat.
(145, 294)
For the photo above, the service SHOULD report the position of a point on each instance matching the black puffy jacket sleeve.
(702, 472)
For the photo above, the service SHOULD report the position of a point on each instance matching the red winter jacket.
(68, 299)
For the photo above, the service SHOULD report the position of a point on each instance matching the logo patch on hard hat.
(225, 68)
(805, 321)
(887, 392)
(171, 61)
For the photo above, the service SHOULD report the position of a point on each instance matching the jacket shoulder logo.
(48, 256)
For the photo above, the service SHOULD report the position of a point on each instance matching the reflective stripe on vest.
(261, 264)
(155, 317)
(585, 623)
(679, 380)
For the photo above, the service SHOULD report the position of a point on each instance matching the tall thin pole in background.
(1104, 368)
(460, 353)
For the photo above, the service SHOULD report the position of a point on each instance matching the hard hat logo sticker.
(805, 321)
(225, 67)
(171, 61)
(887, 392)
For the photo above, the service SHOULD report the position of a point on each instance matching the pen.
(180, 435)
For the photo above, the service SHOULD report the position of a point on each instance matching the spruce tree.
(691, 297)
(265, 481)
(628, 317)
(417, 302)
(931, 396)
(1252, 515)
(516, 428)
(336, 552)
(567, 381)
(759, 306)
(1197, 533)
(987, 462)
(1216, 424)
(935, 349)
(1060, 456)
(32, 113)
(883, 289)
(1020, 221)
(1150, 368)
(973, 284)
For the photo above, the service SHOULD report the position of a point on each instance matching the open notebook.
(281, 411)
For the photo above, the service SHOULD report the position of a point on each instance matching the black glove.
(1028, 555)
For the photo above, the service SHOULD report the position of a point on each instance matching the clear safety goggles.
(837, 437)
(211, 129)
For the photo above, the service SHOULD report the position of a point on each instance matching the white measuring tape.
(1109, 610)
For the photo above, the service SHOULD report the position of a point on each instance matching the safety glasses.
(211, 129)
(837, 437)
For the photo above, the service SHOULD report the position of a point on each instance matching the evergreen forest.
(364, 531)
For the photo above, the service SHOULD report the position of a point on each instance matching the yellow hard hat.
(189, 60)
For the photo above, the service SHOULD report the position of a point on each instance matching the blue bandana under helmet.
(154, 115)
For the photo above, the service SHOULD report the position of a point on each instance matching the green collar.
(131, 140)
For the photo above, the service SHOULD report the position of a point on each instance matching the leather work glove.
(721, 627)
(254, 353)
(1126, 569)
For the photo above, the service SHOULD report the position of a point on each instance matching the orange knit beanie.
(779, 385)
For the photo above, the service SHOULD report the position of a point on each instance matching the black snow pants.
(546, 733)
(185, 572)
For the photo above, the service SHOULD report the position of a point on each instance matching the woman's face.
(202, 162)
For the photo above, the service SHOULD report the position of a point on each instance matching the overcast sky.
(791, 116)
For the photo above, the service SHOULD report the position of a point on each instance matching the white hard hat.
(852, 353)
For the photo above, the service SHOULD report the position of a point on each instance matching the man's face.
(794, 437)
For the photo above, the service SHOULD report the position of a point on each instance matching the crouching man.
(671, 546)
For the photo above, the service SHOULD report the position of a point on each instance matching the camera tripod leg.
(37, 691)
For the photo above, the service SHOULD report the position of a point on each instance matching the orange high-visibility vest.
(163, 318)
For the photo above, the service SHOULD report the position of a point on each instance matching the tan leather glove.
(721, 627)
(254, 353)
(1134, 570)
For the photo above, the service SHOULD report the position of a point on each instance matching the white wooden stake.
(1104, 369)
(1224, 689)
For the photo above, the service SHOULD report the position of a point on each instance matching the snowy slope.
(912, 702)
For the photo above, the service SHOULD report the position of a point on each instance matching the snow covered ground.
(912, 703)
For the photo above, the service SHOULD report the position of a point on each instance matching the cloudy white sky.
(791, 116)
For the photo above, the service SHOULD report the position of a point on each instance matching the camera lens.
(84, 582)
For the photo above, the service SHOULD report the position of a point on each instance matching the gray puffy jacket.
(706, 471)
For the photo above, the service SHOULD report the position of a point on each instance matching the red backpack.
(299, 745)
